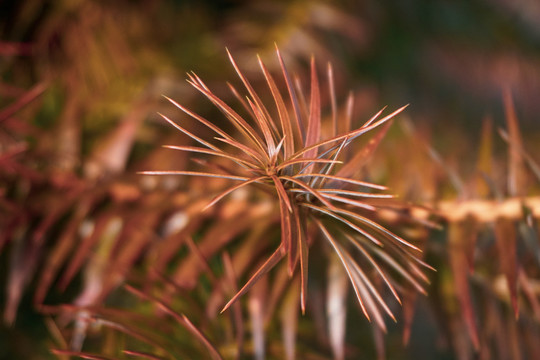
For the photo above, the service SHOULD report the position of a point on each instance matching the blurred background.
(451, 60)
(81, 83)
